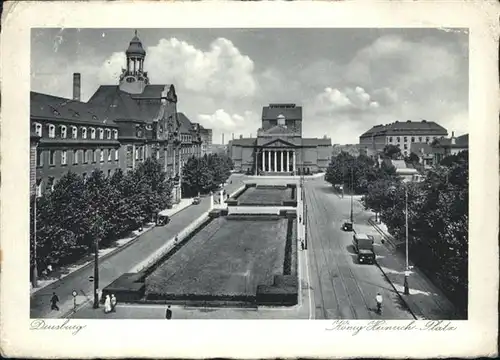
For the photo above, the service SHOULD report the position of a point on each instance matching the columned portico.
(277, 160)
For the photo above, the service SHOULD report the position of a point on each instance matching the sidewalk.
(61, 273)
(425, 301)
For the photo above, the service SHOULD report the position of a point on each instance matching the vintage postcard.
(328, 169)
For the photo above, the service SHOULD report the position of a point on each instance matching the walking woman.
(107, 304)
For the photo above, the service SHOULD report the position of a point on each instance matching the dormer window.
(74, 132)
(108, 134)
(64, 132)
(115, 134)
(101, 134)
(92, 133)
(52, 131)
(84, 133)
(38, 129)
(281, 120)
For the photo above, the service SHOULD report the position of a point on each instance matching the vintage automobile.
(347, 226)
(196, 200)
(162, 220)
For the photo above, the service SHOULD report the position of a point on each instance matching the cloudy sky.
(347, 80)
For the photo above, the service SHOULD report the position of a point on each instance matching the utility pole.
(407, 272)
(352, 190)
(96, 268)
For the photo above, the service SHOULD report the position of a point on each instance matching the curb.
(105, 256)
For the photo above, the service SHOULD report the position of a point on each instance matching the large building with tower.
(117, 128)
(279, 147)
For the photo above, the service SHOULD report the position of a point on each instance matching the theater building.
(279, 148)
(118, 127)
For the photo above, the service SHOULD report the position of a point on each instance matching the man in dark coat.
(168, 313)
(53, 301)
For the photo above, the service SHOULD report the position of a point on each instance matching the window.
(84, 133)
(406, 147)
(109, 173)
(52, 131)
(157, 155)
(87, 156)
(108, 134)
(52, 157)
(116, 154)
(75, 157)
(406, 139)
(427, 139)
(137, 153)
(390, 139)
(92, 133)
(39, 184)
(398, 139)
(94, 156)
(420, 139)
(39, 157)
(101, 155)
(64, 131)
(74, 132)
(109, 154)
(412, 139)
(101, 134)
(64, 157)
(38, 129)
(115, 134)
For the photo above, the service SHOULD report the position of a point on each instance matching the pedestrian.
(168, 313)
(113, 303)
(54, 300)
(49, 268)
(302, 245)
(107, 305)
(176, 240)
(379, 299)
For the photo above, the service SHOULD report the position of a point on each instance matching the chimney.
(222, 138)
(453, 139)
(76, 86)
(241, 136)
(233, 136)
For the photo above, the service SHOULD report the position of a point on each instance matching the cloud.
(220, 71)
(223, 122)
(346, 100)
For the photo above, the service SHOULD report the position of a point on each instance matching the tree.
(198, 177)
(392, 152)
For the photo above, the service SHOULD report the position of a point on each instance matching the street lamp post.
(406, 286)
(96, 266)
(352, 190)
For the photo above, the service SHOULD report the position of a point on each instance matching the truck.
(363, 246)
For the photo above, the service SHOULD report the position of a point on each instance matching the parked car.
(196, 200)
(347, 226)
(162, 220)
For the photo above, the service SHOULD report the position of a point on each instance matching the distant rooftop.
(407, 127)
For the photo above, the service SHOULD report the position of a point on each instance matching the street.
(343, 289)
(117, 264)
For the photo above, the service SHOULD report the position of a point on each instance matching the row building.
(279, 147)
(119, 127)
(402, 134)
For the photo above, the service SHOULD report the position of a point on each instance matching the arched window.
(38, 129)
(92, 133)
(115, 134)
(84, 133)
(74, 132)
(52, 131)
(64, 131)
(108, 134)
(101, 134)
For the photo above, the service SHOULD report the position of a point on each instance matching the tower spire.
(134, 79)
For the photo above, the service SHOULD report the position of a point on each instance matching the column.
(268, 160)
(294, 161)
(263, 161)
(282, 163)
(275, 167)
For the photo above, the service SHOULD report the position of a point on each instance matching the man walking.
(378, 298)
(54, 300)
(168, 313)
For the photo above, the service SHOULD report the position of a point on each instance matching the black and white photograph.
(313, 171)
(249, 173)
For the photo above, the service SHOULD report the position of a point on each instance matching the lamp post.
(407, 272)
(352, 190)
(96, 265)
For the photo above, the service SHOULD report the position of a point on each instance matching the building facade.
(279, 147)
(401, 134)
(117, 128)
(206, 140)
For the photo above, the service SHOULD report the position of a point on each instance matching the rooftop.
(401, 127)
(289, 111)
